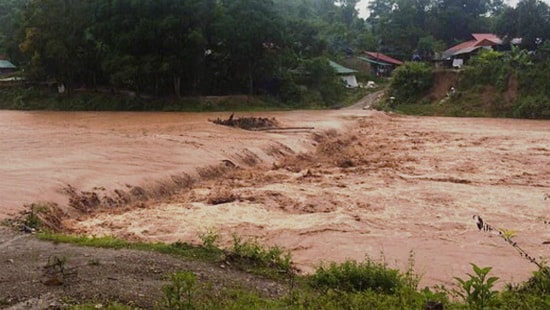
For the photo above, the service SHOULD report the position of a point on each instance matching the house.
(6, 67)
(381, 65)
(347, 75)
(458, 54)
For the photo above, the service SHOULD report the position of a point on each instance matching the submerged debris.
(248, 123)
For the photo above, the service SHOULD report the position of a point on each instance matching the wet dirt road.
(360, 184)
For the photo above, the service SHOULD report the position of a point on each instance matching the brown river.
(359, 183)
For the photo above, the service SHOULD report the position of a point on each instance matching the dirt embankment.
(31, 276)
(362, 183)
(444, 81)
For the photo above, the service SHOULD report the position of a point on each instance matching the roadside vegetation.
(348, 285)
(493, 84)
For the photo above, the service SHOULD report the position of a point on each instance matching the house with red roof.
(460, 53)
(380, 64)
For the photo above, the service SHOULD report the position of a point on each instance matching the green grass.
(248, 256)
(349, 285)
(210, 254)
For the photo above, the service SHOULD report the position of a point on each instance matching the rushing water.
(42, 152)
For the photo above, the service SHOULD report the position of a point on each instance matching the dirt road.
(362, 183)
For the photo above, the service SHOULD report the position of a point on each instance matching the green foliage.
(178, 295)
(321, 78)
(410, 82)
(350, 285)
(352, 276)
(532, 294)
(209, 238)
(32, 220)
(534, 80)
(532, 107)
(488, 68)
(253, 254)
(477, 291)
(539, 283)
(177, 248)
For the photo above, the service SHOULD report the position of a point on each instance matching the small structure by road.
(346, 74)
(6, 67)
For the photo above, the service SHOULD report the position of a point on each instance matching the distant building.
(380, 64)
(346, 74)
(6, 67)
(457, 55)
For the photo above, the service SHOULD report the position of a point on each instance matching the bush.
(532, 294)
(488, 68)
(352, 276)
(410, 82)
(252, 253)
(321, 78)
(533, 107)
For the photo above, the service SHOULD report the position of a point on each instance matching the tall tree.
(56, 39)
(10, 15)
(533, 23)
(250, 33)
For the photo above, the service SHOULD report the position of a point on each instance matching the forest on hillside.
(218, 47)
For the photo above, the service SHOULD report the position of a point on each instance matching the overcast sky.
(363, 12)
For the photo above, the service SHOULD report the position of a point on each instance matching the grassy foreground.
(350, 285)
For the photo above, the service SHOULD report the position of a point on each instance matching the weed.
(179, 293)
(352, 276)
(209, 238)
(252, 253)
(177, 248)
(32, 221)
(94, 262)
(477, 290)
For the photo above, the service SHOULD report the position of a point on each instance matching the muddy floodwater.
(348, 184)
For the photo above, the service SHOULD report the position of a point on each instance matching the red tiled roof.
(382, 57)
(487, 36)
(480, 39)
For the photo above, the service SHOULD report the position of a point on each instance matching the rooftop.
(4, 64)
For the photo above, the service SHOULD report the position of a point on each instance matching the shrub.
(477, 290)
(487, 68)
(533, 107)
(179, 293)
(352, 276)
(253, 253)
(320, 78)
(410, 82)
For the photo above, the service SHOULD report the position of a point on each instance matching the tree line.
(218, 47)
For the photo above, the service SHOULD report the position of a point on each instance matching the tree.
(249, 39)
(455, 20)
(399, 24)
(10, 14)
(56, 39)
(533, 23)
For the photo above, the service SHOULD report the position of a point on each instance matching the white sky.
(363, 12)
